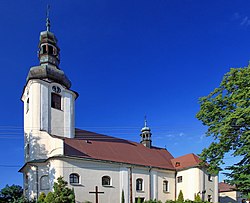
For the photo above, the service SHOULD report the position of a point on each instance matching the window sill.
(75, 184)
(140, 191)
(44, 189)
(166, 192)
(56, 109)
(107, 186)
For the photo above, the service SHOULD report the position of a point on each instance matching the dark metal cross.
(96, 193)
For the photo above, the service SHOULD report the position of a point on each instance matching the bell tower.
(146, 135)
(49, 103)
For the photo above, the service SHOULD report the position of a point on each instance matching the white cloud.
(245, 21)
(241, 19)
(181, 134)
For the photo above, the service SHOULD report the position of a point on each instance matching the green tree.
(41, 198)
(11, 193)
(180, 197)
(197, 198)
(138, 200)
(123, 198)
(226, 113)
(63, 194)
(49, 198)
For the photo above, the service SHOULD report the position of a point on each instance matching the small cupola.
(146, 135)
(48, 53)
(49, 58)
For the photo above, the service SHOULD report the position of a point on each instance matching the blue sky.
(125, 59)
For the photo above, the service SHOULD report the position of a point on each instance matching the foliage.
(41, 197)
(11, 193)
(225, 111)
(24, 200)
(153, 201)
(49, 197)
(186, 201)
(123, 198)
(197, 198)
(180, 197)
(61, 194)
(138, 200)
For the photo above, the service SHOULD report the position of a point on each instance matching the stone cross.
(96, 193)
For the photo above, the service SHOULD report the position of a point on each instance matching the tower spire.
(145, 121)
(47, 18)
(146, 134)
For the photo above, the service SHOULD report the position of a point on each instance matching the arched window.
(44, 182)
(139, 183)
(44, 50)
(74, 178)
(165, 186)
(106, 181)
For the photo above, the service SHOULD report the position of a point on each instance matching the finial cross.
(47, 19)
(145, 121)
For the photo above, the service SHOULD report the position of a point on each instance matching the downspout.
(175, 188)
(150, 182)
(130, 185)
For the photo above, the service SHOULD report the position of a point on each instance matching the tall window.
(74, 178)
(179, 179)
(106, 181)
(50, 49)
(139, 183)
(44, 182)
(56, 101)
(27, 105)
(209, 177)
(165, 186)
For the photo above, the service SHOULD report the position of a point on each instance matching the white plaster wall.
(91, 174)
(124, 182)
(190, 183)
(170, 177)
(196, 181)
(41, 116)
(143, 173)
(43, 146)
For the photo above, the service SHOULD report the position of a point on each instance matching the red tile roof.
(186, 161)
(224, 187)
(92, 145)
(102, 147)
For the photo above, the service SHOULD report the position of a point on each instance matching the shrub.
(41, 198)
(49, 198)
(197, 198)
(180, 197)
(123, 199)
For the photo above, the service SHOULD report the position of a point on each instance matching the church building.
(88, 161)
